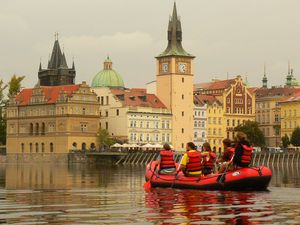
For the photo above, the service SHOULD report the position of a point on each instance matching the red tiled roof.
(294, 98)
(137, 97)
(275, 92)
(215, 85)
(51, 93)
(202, 99)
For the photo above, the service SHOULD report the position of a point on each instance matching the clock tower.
(174, 84)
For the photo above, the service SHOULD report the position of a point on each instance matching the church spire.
(174, 47)
(289, 77)
(265, 79)
(57, 59)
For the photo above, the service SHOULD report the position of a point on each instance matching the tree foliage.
(2, 119)
(285, 141)
(254, 134)
(104, 139)
(15, 85)
(295, 138)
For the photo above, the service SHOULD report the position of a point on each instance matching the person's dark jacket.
(239, 152)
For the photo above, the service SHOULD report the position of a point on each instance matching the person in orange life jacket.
(243, 151)
(225, 160)
(166, 161)
(209, 159)
(190, 162)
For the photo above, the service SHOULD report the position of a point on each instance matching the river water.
(94, 194)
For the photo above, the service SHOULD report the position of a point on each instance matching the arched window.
(203, 134)
(37, 127)
(83, 146)
(36, 147)
(51, 147)
(43, 129)
(31, 129)
(43, 147)
(93, 147)
(30, 147)
(22, 147)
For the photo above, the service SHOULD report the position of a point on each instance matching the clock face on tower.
(165, 67)
(182, 67)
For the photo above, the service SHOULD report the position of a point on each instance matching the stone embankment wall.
(36, 157)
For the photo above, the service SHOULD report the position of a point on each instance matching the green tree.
(254, 134)
(285, 141)
(14, 85)
(104, 139)
(2, 118)
(295, 138)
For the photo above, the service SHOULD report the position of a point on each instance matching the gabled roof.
(294, 98)
(215, 85)
(205, 99)
(51, 93)
(137, 97)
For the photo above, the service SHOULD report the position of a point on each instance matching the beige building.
(134, 116)
(52, 120)
(268, 112)
(174, 84)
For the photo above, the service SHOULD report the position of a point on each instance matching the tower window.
(182, 113)
(182, 79)
(117, 111)
(182, 130)
(182, 96)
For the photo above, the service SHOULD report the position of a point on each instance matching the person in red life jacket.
(226, 159)
(209, 159)
(243, 151)
(190, 162)
(166, 160)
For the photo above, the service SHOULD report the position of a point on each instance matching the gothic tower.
(175, 83)
(265, 79)
(57, 72)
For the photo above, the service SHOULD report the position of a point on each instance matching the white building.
(200, 120)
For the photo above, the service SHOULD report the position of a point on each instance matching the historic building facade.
(130, 115)
(200, 121)
(174, 84)
(290, 114)
(233, 100)
(57, 72)
(52, 120)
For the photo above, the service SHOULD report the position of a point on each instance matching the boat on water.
(249, 178)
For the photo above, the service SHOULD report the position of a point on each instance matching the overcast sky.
(232, 36)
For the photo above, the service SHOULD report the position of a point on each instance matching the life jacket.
(247, 155)
(209, 160)
(194, 163)
(166, 159)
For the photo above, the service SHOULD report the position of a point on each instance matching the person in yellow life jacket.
(190, 162)
(209, 159)
(166, 160)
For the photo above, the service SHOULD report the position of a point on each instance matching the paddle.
(148, 183)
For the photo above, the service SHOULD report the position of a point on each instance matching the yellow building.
(233, 103)
(268, 112)
(290, 114)
(174, 84)
(52, 120)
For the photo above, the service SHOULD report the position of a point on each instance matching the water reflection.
(90, 194)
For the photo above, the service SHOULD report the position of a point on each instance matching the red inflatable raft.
(251, 178)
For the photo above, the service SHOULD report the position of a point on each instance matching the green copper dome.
(108, 77)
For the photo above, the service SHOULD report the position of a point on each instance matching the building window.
(167, 124)
(203, 134)
(220, 132)
(107, 100)
(147, 124)
(31, 129)
(36, 147)
(37, 129)
(106, 125)
(182, 96)
(30, 148)
(43, 129)
(22, 147)
(102, 100)
(148, 137)
(228, 123)
(51, 147)
(83, 146)
(117, 112)
(220, 120)
(209, 131)
(163, 138)
(106, 113)
(182, 130)
(233, 123)
(182, 113)
(182, 79)
(182, 144)
(141, 124)
(276, 118)
(168, 137)
(214, 120)
(83, 111)
(83, 127)
(163, 124)
(43, 147)
(156, 125)
(195, 123)
(214, 131)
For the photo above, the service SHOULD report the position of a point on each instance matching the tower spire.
(265, 79)
(40, 67)
(174, 47)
